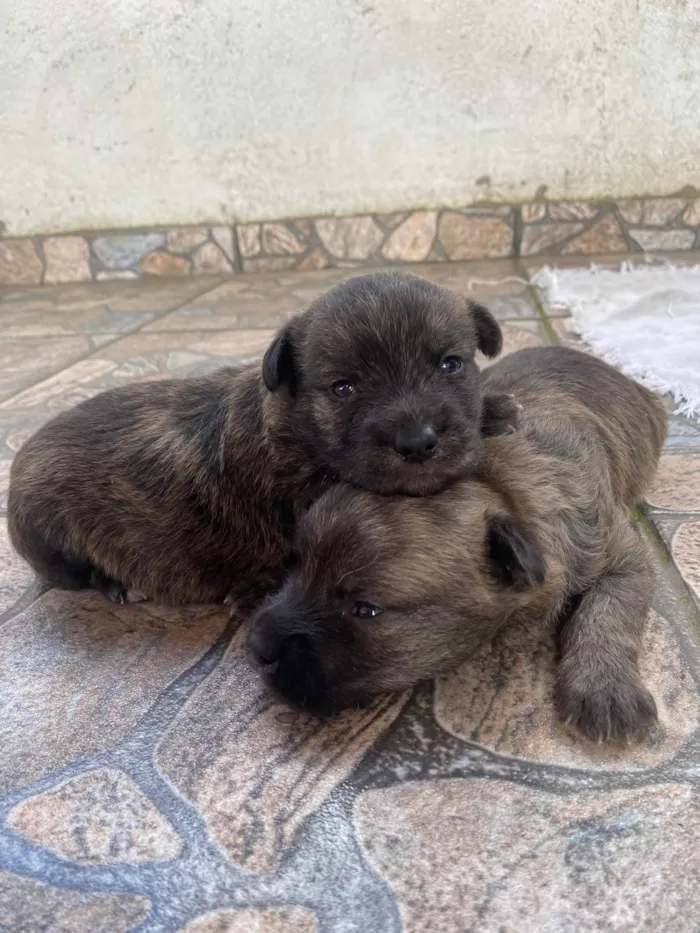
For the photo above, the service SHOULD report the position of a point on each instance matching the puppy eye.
(366, 611)
(342, 388)
(450, 364)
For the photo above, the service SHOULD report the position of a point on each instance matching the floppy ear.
(515, 559)
(489, 338)
(499, 415)
(279, 365)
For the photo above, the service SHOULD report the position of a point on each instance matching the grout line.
(537, 302)
(686, 601)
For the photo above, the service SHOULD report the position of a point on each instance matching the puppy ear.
(279, 365)
(489, 338)
(499, 415)
(515, 558)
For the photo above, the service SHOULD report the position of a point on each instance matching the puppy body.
(188, 490)
(185, 490)
(390, 591)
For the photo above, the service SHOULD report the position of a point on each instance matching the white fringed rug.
(643, 319)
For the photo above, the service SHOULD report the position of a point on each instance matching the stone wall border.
(499, 231)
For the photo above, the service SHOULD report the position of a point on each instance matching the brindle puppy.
(390, 590)
(188, 490)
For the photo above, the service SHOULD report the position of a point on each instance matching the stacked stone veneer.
(488, 232)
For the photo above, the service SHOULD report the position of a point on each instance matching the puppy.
(390, 591)
(188, 490)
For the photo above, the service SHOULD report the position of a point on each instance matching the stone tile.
(465, 236)
(605, 236)
(255, 920)
(518, 336)
(413, 239)
(304, 227)
(683, 433)
(28, 906)
(258, 771)
(15, 574)
(535, 264)
(209, 258)
(4, 487)
(659, 212)
(223, 237)
(677, 484)
(19, 263)
(67, 259)
(486, 278)
(691, 215)
(392, 220)
(350, 237)
(91, 309)
(573, 210)
(115, 276)
(316, 259)
(161, 263)
(510, 307)
(248, 239)
(631, 210)
(99, 817)
(491, 856)
(23, 362)
(502, 699)
(685, 548)
(143, 356)
(663, 239)
(280, 240)
(269, 264)
(542, 237)
(77, 673)
(531, 213)
(185, 239)
(124, 250)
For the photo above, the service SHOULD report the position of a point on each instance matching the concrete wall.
(132, 113)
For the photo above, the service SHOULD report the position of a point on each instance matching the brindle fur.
(540, 536)
(188, 490)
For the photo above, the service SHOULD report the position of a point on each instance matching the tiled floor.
(148, 783)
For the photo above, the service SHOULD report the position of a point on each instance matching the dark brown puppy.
(390, 590)
(188, 490)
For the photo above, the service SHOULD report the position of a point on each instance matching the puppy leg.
(599, 688)
(499, 415)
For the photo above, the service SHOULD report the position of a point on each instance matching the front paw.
(499, 415)
(610, 706)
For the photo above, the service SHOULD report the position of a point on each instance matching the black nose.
(262, 646)
(416, 441)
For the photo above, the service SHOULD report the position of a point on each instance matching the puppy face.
(383, 383)
(386, 594)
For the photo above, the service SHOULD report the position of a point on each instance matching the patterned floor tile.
(258, 771)
(686, 553)
(503, 699)
(92, 308)
(27, 906)
(148, 782)
(268, 301)
(78, 672)
(490, 856)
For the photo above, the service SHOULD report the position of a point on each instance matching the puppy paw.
(111, 589)
(607, 708)
(500, 415)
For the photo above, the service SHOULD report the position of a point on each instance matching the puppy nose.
(416, 441)
(262, 646)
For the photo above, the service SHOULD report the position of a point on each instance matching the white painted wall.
(125, 113)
